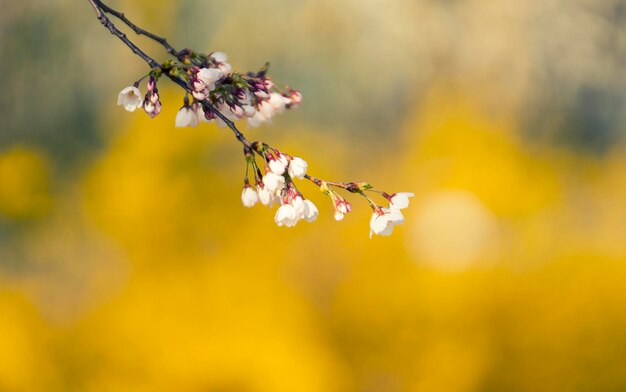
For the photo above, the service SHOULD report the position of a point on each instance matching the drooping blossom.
(286, 216)
(310, 213)
(383, 221)
(187, 116)
(297, 167)
(273, 182)
(265, 196)
(278, 164)
(400, 200)
(130, 97)
(249, 196)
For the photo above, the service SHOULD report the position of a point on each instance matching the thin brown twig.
(138, 30)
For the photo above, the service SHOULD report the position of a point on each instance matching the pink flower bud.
(237, 111)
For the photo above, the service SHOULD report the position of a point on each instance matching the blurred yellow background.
(127, 262)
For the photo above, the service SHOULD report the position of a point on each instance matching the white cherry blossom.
(187, 117)
(297, 167)
(209, 76)
(278, 164)
(400, 200)
(249, 196)
(266, 108)
(265, 196)
(257, 119)
(278, 103)
(384, 220)
(310, 213)
(286, 216)
(248, 110)
(273, 182)
(131, 98)
(220, 58)
(299, 205)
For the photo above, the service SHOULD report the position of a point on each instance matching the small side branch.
(114, 30)
(170, 49)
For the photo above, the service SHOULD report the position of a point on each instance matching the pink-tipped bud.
(268, 84)
(237, 111)
(295, 98)
(151, 84)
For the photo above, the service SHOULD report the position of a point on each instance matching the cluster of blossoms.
(253, 96)
(384, 219)
(276, 186)
(215, 93)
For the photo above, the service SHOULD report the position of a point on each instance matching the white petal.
(394, 216)
(248, 110)
(400, 200)
(219, 57)
(378, 223)
(274, 182)
(258, 119)
(209, 76)
(311, 211)
(266, 109)
(186, 117)
(299, 206)
(276, 166)
(225, 68)
(297, 168)
(249, 197)
(265, 196)
(278, 102)
(130, 97)
(285, 215)
(387, 230)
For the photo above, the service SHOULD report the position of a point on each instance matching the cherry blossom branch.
(224, 96)
(100, 9)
